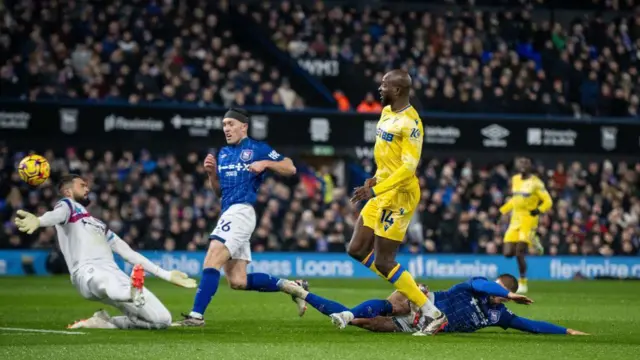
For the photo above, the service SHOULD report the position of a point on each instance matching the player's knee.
(357, 251)
(162, 319)
(384, 266)
(508, 251)
(156, 315)
(217, 255)
(237, 283)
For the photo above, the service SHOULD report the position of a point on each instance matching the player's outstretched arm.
(541, 327)
(506, 207)
(492, 288)
(376, 324)
(28, 222)
(282, 167)
(123, 249)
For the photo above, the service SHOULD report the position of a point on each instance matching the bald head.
(399, 78)
(395, 87)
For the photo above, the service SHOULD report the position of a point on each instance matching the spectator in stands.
(369, 105)
(341, 99)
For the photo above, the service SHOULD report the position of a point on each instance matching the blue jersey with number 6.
(237, 184)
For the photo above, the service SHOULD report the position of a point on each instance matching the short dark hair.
(239, 110)
(238, 114)
(509, 281)
(67, 180)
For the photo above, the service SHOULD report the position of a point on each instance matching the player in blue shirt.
(236, 175)
(470, 306)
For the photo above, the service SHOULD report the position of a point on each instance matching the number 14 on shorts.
(386, 219)
(224, 226)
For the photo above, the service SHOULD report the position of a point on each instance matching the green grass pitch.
(248, 325)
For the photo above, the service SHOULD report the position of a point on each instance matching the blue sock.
(372, 308)
(262, 282)
(325, 306)
(207, 288)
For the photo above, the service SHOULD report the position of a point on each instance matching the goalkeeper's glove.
(534, 212)
(27, 222)
(181, 279)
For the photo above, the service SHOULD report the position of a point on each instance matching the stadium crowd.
(471, 61)
(133, 51)
(161, 202)
(185, 51)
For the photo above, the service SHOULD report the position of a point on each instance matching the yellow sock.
(369, 262)
(522, 281)
(406, 285)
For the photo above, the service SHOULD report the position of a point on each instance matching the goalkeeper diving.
(469, 306)
(88, 246)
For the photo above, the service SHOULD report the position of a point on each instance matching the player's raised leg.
(340, 315)
(238, 279)
(429, 319)
(141, 308)
(108, 282)
(152, 315)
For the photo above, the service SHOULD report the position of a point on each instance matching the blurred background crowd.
(160, 201)
(517, 57)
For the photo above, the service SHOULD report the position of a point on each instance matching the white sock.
(196, 315)
(430, 309)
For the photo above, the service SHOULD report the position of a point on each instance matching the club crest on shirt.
(494, 316)
(246, 155)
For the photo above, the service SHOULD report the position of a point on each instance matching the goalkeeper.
(88, 246)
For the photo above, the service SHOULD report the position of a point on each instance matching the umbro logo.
(495, 132)
(495, 136)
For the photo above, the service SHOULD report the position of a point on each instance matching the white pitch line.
(42, 331)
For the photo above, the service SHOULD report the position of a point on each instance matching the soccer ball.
(34, 169)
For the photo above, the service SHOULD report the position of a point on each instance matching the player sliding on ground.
(470, 306)
(88, 246)
(236, 176)
(392, 196)
(529, 199)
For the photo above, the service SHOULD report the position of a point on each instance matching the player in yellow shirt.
(529, 199)
(392, 196)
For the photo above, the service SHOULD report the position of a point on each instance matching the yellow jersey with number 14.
(397, 149)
